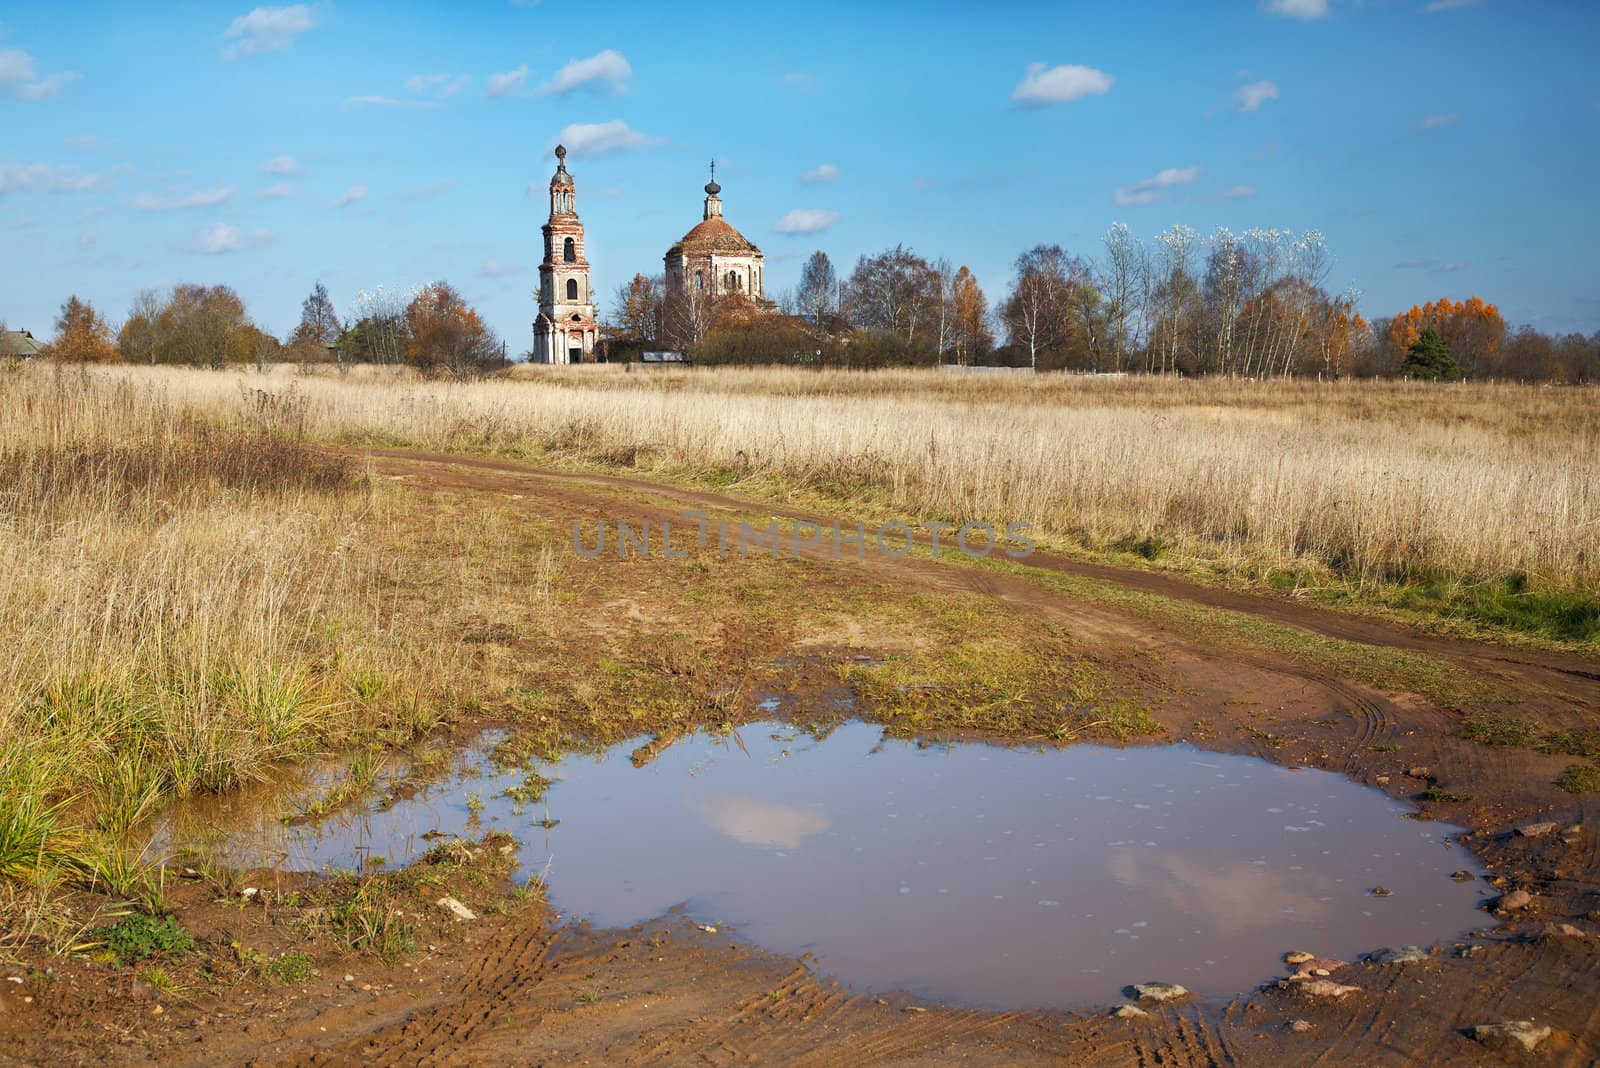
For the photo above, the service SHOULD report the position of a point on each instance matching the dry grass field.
(1340, 485)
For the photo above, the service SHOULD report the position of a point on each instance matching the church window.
(699, 279)
(572, 289)
(569, 251)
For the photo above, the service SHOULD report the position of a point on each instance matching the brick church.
(714, 259)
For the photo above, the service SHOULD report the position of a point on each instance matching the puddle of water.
(997, 877)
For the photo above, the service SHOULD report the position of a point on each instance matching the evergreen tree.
(1429, 358)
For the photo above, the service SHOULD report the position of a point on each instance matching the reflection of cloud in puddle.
(753, 822)
(1236, 896)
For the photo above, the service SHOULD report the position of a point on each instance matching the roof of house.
(19, 343)
(713, 235)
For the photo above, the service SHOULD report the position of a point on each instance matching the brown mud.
(520, 988)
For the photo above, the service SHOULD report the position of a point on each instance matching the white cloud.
(86, 241)
(806, 221)
(446, 86)
(593, 138)
(267, 29)
(1437, 122)
(1239, 192)
(1058, 85)
(41, 177)
(222, 238)
(510, 81)
(1449, 5)
(200, 198)
(350, 196)
(281, 165)
(1149, 190)
(827, 172)
(1457, 265)
(387, 102)
(798, 78)
(1412, 265)
(277, 191)
(608, 71)
(1298, 9)
(1251, 97)
(493, 268)
(19, 77)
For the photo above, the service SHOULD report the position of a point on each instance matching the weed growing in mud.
(137, 937)
(291, 969)
(160, 980)
(1443, 796)
(1508, 732)
(1580, 779)
(367, 921)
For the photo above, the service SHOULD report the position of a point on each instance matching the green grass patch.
(138, 937)
(1580, 779)
(1501, 731)
(291, 969)
(367, 921)
(1506, 603)
(1508, 732)
(1435, 793)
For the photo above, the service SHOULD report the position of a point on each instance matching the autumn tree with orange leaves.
(82, 336)
(970, 312)
(445, 334)
(1473, 329)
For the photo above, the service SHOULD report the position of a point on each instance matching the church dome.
(713, 235)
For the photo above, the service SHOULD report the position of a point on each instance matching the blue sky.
(1444, 147)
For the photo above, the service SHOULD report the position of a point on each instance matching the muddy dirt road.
(524, 991)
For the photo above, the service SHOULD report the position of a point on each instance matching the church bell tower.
(565, 330)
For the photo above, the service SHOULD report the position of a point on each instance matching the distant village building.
(565, 330)
(19, 345)
(714, 259)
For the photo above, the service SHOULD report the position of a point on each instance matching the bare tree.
(1121, 286)
(817, 298)
(892, 292)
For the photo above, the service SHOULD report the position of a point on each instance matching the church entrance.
(574, 355)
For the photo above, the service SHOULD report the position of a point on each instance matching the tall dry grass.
(1363, 481)
(181, 605)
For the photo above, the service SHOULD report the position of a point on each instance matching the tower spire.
(713, 202)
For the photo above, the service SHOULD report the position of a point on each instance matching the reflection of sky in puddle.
(995, 876)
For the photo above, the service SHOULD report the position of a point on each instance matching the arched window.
(572, 289)
(569, 251)
(699, 279)
(733, 280)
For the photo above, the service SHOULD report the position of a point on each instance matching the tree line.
(1254, 304)
(431, 328)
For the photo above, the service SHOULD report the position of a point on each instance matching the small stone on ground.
(1523, 1033)
(1128, 1012)
(1398, 955)
(1159, 991)
(1515, 901)
(456, 909)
